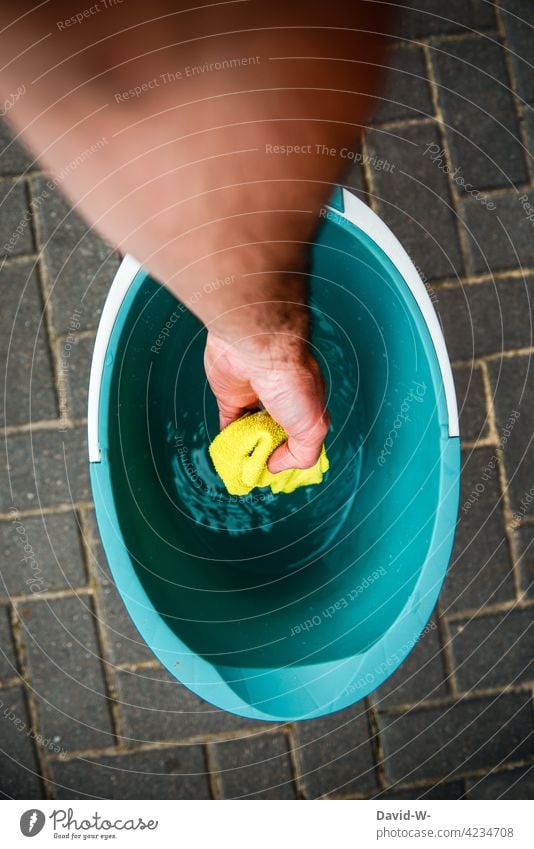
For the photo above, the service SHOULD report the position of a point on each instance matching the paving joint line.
(106, 654)
(429, 783)
(47, 595)
(463, 696)
(486, 277)
(294, 760)
(89, 333)
(503, 482)
(475, 444)
(401, 123)
(501, 191)
(52, 510)
(124, 748)
(8, 260)
(501, 29)
(32, 705)
(368, 176)
(47, 306)
(490, 409)
(446, 646)
(489, 609)
(134, 666)
(433, 40)
(376, 744)
(421, 41)
(490, 358)
(43, 424)
(213, 772)
(441, 125)
(17, 177)
(14, 681)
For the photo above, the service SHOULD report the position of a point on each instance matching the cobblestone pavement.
(85, 709)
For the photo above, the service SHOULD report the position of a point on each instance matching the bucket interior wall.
(270, 581)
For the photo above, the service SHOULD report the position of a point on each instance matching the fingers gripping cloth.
(241, 450)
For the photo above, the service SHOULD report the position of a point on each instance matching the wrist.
(278, 349)
(264, 319)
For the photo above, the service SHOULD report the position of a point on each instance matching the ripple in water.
(279, 532)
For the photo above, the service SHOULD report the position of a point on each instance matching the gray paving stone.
(66, 672)
(478, 108)
(76, 365)
(125, 643)
(24, 352)
(155, 707)
(471, 402)
(80, 265)
(46, 468)
(499, 239)
(19, 776)
(487, 318)
(420, 18)
(16, 236)
(444, 790)
(513, 389)
(421, 676)
(336, 753)
(468, 734)
(406, 93)
(414, 199)
(174, 773)
(480, 571)
(512, 784)
(525, 549)
(518, 19)
(13, 157)
(493, 651)
(52, 559)
(255, 767)
(8, 659)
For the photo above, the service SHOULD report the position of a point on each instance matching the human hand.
(275, 370)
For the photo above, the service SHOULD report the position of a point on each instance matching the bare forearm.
(192, 175)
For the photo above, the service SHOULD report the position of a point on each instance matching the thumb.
(300, 453)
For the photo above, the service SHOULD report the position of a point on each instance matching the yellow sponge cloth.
(241, 450)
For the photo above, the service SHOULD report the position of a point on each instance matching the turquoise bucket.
(281, 607)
